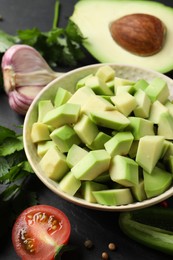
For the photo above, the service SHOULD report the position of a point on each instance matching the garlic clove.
(25, 73)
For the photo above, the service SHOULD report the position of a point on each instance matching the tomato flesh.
(39, 232)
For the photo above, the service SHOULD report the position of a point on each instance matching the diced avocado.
(120, 143)
(114, 197)
(64, 137)
(61, 97)
(96, 103)
(169, 150)
(81, 95)
(170, 163)
(43, 107)
(169, 106)
(92, 165)
(165, 126)
(157, 108)
(156, 182)
(124, 171)
(43, 147)
(86, 129)
(149, 151)
(99, 141)
(112, 119)
(69, 184)
(103, 178)
(54, 164)
(126, 88)
(165, 148)
(81, 82)
(121, 82)
(64, 114)
(98, 86)
(138, 191)
(141, 84)
(124, 102)
(105, 48)
(40, 132)
(105, 73)
(133, 149)
(158, 90)
(143, 104)
(110, 85)
(88, 187)
(75, 154)
(140, 127)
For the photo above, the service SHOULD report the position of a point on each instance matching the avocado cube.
(111, 119)
(64, 114)
(110, 85)
(54, 164)
(88, 187)
(140, 127)
(143, 104)
(96, 103)
(92, 165)
(113, 197)
(105, 73)
(157, 108)
(124, 171)
(99, 141)
(121, 82)
(149, 151)
(165, 126)
(103, 178)
(43, 147)
(61, 97)
(120, 143)
(81, 95)
(126, 88)
(86, 129)
(40, 132)
(75, 154)
(124, 102)
(169, 150)
(138, 191)
(81, 82)
(169, 106)
(141, 84)
(158, 90)
(43, 107)
(156, 182)
(69, 184)
(98, 86)
(133, 149)
(64, 137)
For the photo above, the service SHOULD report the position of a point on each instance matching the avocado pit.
(140, 34)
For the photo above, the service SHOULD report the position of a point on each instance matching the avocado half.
(93, 18)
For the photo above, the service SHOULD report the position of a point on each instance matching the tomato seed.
(112, 246)
(105, 256)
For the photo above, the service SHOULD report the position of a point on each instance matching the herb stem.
(56, 14)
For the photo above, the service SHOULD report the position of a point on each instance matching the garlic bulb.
(25, 73)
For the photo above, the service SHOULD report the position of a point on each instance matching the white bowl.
(68, 81)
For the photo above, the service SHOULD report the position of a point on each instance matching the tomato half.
(39, 232)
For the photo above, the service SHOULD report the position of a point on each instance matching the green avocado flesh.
(100, 151)
(93, 18)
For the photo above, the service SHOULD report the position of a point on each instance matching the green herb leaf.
(10, 145)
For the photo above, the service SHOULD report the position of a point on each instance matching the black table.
(100, 227)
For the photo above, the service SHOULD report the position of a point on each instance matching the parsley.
(59, 46)
(15, 172)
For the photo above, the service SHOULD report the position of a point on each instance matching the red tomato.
(39, 232)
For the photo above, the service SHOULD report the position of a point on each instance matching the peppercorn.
(88, 244)
(105, 256)
(112, 246)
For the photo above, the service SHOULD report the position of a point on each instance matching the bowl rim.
(52, 185)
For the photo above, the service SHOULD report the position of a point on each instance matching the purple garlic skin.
(25, 74)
